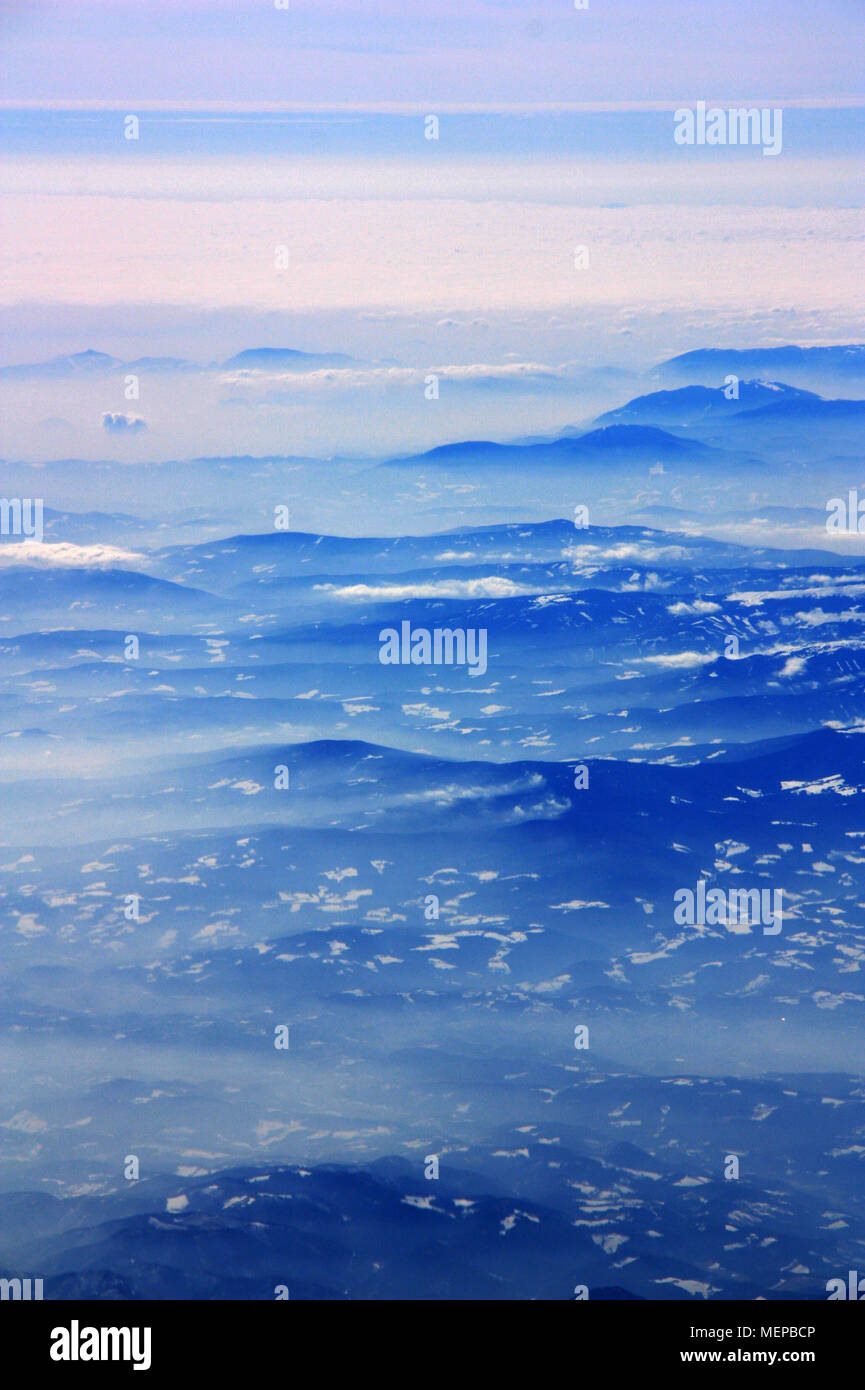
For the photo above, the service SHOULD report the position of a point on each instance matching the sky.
(301, 132)
(410, 51)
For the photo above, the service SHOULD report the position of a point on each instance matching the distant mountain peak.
(846, 359)
(287, 357)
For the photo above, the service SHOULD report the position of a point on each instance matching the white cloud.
(681, 660)
(490, 587)
(625, 553)
(64, 554)
(699, 606)
(793, 666)
(289, 381)
(367, 234)
(116, 423)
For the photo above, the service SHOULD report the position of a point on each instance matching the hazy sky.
(459, 250)
(422, 51)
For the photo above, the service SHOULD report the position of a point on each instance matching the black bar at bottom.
(61, 1339)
